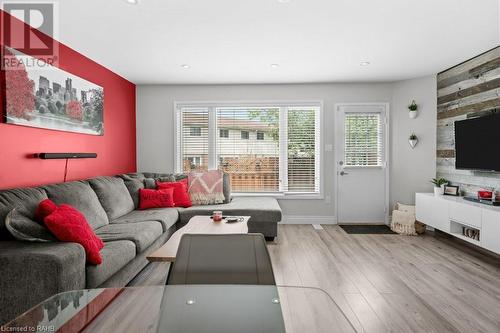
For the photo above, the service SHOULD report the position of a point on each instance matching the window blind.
(252, 163)
(363, 139)
(302, 150)
(264, 149)
(193, 147)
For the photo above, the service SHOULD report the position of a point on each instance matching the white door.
(361, 155)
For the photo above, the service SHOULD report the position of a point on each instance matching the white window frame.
(211, 106)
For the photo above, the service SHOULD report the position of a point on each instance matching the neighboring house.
(235, 139)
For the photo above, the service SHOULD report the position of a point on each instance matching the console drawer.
(467, 214)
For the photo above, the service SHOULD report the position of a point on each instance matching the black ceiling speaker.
(55, 156)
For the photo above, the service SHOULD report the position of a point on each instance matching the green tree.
(301, 129)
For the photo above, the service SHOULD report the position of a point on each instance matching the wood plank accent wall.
(470, 87)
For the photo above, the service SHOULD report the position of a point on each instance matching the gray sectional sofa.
(33, 271)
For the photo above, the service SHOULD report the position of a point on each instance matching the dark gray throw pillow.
(25, 229)
(226, 187)
(133, 184)
(113, 196)
(24, 199)
(150, 183)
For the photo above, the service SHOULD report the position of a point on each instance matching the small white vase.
(413, 143)
(413, 114)
(438, 191)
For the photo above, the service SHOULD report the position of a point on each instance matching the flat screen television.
(477, 143)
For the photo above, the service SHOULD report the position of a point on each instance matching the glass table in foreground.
(186, 308)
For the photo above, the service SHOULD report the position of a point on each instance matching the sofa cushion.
(166, 216)
(25, 200)
(25, 229)
(261, 209)
(81, 196)
(134, 182)
(115, 255)
(142, 234)
(113, 196)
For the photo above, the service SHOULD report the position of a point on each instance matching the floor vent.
(317, 226)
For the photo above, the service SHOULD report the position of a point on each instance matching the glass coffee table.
(186, 308)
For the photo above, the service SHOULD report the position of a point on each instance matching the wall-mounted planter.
(413, 140)
(413, 107)
(413, 143)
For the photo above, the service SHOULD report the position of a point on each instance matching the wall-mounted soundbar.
(55, 156)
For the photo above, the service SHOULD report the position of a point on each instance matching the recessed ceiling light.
(185, 66)
(284, 1)
(132, 2)
(274, 65)
(364, 63)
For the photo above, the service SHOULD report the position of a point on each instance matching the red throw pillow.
(44, 209)
(181, 195)
(156, 198)
(69, 225)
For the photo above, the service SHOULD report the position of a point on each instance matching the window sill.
(282, 196)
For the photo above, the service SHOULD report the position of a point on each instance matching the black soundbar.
(55, 156)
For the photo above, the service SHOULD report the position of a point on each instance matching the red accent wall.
(116, 150)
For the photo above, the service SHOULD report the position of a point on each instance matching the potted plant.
(413, 109)
(439, 184)
(413, 140)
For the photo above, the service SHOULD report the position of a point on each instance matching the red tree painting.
(74, 110)
(19, 90)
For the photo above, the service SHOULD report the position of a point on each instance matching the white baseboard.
(308, 219)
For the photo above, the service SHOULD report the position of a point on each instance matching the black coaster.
(366, 229)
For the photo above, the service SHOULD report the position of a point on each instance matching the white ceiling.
(236, 41)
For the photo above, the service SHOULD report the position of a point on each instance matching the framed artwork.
(51, 98)
(451, 190)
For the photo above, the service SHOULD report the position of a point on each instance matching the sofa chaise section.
(265, 213)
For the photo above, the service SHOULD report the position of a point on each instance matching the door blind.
(363, 139)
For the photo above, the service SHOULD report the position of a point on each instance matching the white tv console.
(450, 214)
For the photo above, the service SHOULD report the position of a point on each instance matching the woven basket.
(419, 227)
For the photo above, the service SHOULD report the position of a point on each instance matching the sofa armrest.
(32, 272)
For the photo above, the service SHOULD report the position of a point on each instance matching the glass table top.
(186, 308)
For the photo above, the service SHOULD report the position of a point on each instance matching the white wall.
(155, 129)
(412, 169)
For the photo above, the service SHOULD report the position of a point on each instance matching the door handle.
(343, 173)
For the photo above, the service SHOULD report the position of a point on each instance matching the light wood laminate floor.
(386, 283)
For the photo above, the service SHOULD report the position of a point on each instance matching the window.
(363, 139)
(193, 121)
(195, 131)
(284, 159)
(224, 133)
(254, 167)
(194, 161)
(302, 149)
